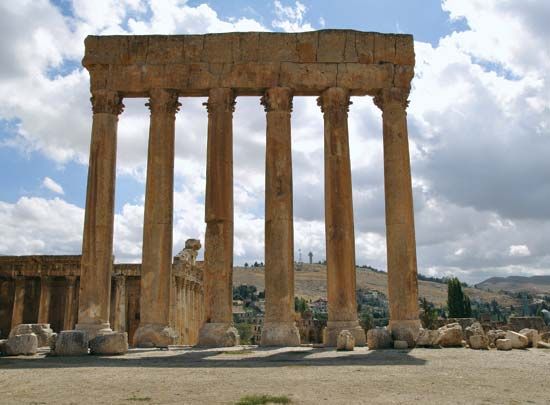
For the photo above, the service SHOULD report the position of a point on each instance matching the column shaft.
(18, 302)
(119, 323)
(400, 234)
(339, 232)
(69, 316)
(154, 330)
(279, 328)
(218, 246)
(45, 298)
(97, 245)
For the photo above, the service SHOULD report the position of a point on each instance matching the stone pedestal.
(154, 329)
(97, 244)
(339, 228)
(400, 235)
(279, 328)
(45, 298)
(218, 245)
(18, 302)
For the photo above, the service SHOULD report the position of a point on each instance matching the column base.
(333, 329)
(413, 326)
(154, 335)
(218, 335)
(280, 334)
(94, 329)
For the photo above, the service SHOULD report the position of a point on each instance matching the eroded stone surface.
(427, 338)
(532, 336)
(71, 343)
(346, 341)
(42, 331)
(518, 340)
(379, 338)
(109, 344)
(400, 344)
(26, 344)
(450, 335)
(503, 344)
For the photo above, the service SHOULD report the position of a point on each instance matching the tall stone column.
(119, 323)
(156, 268)
(400, 236)
(339, 232)
(97, 244)
(18, 302)
(45, 298)
(279, 328)
(218, 246)
(69, 317)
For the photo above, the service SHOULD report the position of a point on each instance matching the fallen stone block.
(503, 344)
(542, 345)
(495, 334)
(379, 338)
(450, 335)
(346, 341)
(545, 337)
(479, 342)
(400, 344)
(532, 336)
(109, 344)
(427, 338)
(71, 343)
(26, 344)
(403, 333)
(42, 331)
(518, 340)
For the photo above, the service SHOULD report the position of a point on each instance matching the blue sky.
(479, 124)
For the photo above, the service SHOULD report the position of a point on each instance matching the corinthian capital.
(392, 98)
(334, 99)
(277, 99)
(106, 102)
(163, 101)
(220, 100)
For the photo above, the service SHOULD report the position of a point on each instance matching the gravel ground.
(306, 375)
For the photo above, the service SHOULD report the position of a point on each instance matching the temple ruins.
(332, 65)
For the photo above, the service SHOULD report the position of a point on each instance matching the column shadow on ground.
(197, 358)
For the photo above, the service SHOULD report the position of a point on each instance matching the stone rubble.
(379, 338)
(109, 344)
(503, 344)
(26, 344)
(71, 343)
(346, 341)
(450, 335)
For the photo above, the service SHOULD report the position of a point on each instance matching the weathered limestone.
(109, 344)
(71, 343)
(26, 344)
(45, 297)
(427, 338)
(475, 337)
(450, 335)
(503, 344)
(42, 331)
(68, 320)
(379, 338)
(218, 244)
(279, 328)
(400, 345)
(154, 329)
(339, 233)
(400, 236)
(119, 323)
(97, 244)
(518, 341)
(346, 341)
(532, 336)
(18, 302)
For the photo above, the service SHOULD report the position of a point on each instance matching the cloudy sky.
(479, 126)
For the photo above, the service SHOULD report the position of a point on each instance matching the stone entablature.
(249, 63)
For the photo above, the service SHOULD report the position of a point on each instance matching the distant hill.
(311, 282)
(534, 284)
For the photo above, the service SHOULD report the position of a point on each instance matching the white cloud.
(291, 19)
(519, 250)
(52, 186)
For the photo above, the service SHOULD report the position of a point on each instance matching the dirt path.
(305, 375)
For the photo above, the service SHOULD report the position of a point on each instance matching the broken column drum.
(333, 65)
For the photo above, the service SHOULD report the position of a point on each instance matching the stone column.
(97, 244)
(218, 245)
(156, 268)
(69, 317)
(119, 323)
(45, 298)
(18, 302)
(279, 328)
(185, 307)
(339, 233)
(400, 236)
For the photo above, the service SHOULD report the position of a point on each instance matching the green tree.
(366, 319)
(245, 332)
(429, 314)
(458, 303)
(300, 305)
